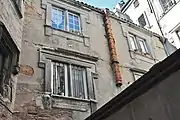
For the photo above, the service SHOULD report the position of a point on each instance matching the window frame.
(11, 54)
(144, 45)
(137, 40)
(69, 87)
(66, 20)
(134, 41)
(79, 20)
(63, 11)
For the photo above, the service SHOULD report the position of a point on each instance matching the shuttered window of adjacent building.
(142, 21)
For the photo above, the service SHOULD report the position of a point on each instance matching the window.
(8, 60)
(136, 3)
(74, 22)
(137, 75)
(58, 19)
(138, 44)
(132, 40)
(65, 20)
(69, 80)
(142, 45)
(142, 21)
(166, 4)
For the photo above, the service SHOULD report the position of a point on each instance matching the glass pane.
(70, 16)
(78, 82)
(77, 23)
(70, 20)
(71, 26)
(77, 28)
(143, 47)
(58, 18)
(76, 18)
(132, 42)
(58, 79)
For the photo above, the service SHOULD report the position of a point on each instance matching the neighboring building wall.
(170, 23)
(43, 44)
(153, 13)
(136, 12)
(153, 97)
(10, 24)
(159, 102)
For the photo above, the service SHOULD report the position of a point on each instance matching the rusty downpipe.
(112, 49)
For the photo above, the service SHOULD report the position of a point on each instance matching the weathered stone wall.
(41, 42)
(5, 113)
(13, 23)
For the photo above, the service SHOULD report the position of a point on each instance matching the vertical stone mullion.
(48, 14)
(90, 84)
(48, 77)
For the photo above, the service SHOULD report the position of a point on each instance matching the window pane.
(58, 79)
(71, 26)
(58, 19)
(143, 46)
(132, 42)
(74, 22)
(78, 82)
(77, 28)
(71, 21)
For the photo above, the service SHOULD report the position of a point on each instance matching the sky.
(102, 3)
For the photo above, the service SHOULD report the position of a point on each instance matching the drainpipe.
(112, 49)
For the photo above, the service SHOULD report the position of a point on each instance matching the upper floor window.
(58, 18)
(138, 44)
(69, 80)
(65, 20)
(166, 4)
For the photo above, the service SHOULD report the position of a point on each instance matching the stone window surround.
(18, 7)
(148, 54)
(45, 57)
(14, 68)
(84, 18)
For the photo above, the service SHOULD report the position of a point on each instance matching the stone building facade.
(11, 24)
(72, 55)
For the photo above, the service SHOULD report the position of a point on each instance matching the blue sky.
(102, 3)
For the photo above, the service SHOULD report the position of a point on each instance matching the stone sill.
(65, 31)
(147, 55)
(73, 98)
(50, 31)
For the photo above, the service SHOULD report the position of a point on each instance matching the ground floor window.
(69, 80)
(8, 60)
